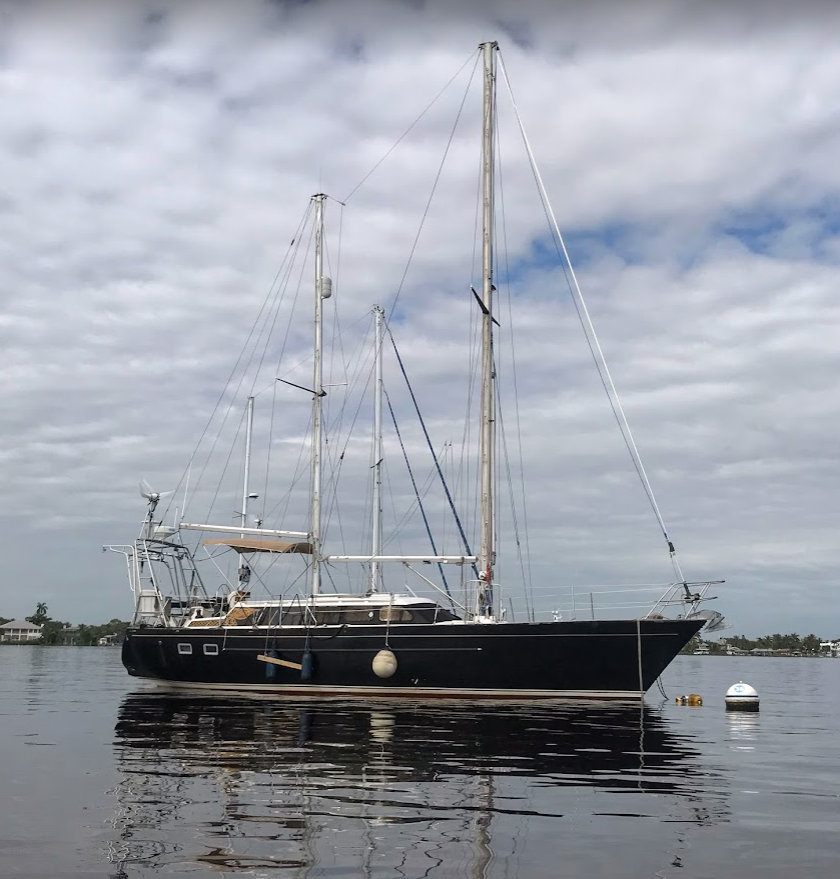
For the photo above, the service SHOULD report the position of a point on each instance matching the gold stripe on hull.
(393, 692)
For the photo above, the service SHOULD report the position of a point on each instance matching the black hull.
(599, 659)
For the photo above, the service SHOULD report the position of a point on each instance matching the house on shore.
(67, 637)
(20, 630)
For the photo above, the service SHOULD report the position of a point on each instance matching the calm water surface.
(101, 776)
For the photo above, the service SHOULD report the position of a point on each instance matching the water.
(101, 776)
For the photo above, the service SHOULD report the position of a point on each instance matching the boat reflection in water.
(410, 789)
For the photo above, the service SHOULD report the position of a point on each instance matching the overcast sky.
(157, 158)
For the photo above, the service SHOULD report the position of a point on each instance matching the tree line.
(795, 643)
(83, 635)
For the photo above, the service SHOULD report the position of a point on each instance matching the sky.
(157, 158)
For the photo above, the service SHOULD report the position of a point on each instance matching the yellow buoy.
(384, 663)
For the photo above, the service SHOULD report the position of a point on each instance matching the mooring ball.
(741, 697)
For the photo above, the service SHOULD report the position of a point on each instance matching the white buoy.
(384, 663)
(741, 697)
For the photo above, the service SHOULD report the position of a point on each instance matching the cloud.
(158, 158)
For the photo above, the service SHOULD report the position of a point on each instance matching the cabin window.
(395, 615)
(185, 649)
(274, 616)
(328, 617)
(211, 649)
(358, 616)
(441, 614)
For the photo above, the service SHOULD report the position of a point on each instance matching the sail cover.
(260, 544)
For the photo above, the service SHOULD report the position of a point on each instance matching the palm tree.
(40, 615)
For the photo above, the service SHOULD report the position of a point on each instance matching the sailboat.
(379, 642)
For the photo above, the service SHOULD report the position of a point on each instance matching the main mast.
(487, 555)
(321, 293)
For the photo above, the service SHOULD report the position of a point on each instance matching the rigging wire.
(464, 472)
(334, 428)
(302, 468)
(434, 190)
(276, 304)
(338, 462)
(524, 561)
(332, 485)
(417, 496)
(275, 307)
(447, 458)
(280, 358)
(298, 473)
(361, 183)
(337, 335)
(233, 371)
(514, 516)
(408, 515)
(305, 360)
(334, 336)
(592, 338)
(395, 534)
(431, 447)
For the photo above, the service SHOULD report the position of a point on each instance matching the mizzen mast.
(244, 570)
(376, 523)
(487, 554)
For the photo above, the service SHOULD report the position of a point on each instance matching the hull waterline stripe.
(395, 692)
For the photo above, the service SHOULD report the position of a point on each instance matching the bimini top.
(260, 544)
